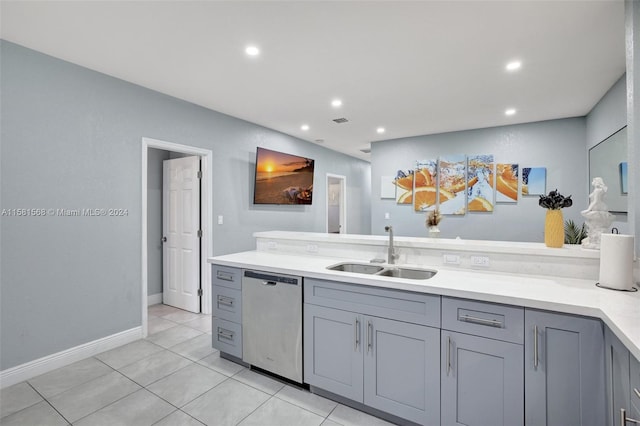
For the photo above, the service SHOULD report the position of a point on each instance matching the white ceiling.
(418, 67)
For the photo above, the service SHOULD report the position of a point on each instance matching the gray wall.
(609, 115)
(154, 219)
(558, 145)
(632, 35)
(71, 138)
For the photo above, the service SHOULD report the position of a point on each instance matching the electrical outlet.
(387, 216)
(482, 261)
(220, 220)
(272, 245)
(451, 259)
(312, 248)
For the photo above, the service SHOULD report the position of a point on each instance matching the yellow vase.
(554, 229)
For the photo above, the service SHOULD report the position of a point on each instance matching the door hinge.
(199, 292)
(199, 174)
(199, 233)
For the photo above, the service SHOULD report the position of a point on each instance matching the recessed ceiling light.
(514, 65)
(380, 130)
(510, 111)
(336, 103)
(305, 127)
(252, 51)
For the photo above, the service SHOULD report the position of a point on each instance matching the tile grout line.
(47, 401)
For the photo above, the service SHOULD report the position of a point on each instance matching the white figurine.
(597, 217)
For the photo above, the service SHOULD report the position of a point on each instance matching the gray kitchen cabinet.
(634, 387)
(564, 370)
(482, 381)
(401, 369)
(333, 351)
(617, 377)
(385, 364)
(227, 310)
(482, 363)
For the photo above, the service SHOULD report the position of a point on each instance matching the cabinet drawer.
(398, 305)
(501, 322)
(634, 368)
(227, 303)
(227, 337)
(226, 276)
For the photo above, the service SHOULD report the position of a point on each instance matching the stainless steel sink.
(358, 268)
(385, 271)
(408, 273)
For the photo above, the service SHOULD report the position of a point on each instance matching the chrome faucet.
(391, 254)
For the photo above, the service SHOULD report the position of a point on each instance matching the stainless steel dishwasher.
(272, 323)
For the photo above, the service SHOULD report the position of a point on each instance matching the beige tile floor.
(171, 378)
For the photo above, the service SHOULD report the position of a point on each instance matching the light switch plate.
(451, 259)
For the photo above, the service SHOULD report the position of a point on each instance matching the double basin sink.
(385, 271)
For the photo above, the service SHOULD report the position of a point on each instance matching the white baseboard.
(26, 371)
(154, 299)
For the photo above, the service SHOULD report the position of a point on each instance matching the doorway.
(336, 204)
(206, 241)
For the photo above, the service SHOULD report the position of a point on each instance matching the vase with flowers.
(433, 219)
(554, 222)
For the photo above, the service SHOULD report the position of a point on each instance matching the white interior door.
(181, 223)
(336, 200)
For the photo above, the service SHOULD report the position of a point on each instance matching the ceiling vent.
(340, 120)
(366, 150)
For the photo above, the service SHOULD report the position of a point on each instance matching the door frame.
(343, 202)
(206, 219)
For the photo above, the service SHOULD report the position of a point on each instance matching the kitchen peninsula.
(520, 311)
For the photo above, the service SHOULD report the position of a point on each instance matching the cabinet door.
(333, 351)
(564, 370)
(401, 369)
(617, 377)
(482, 381)
(634, 374)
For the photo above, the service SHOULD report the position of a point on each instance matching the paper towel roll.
(616, 261)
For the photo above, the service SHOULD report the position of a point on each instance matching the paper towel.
(616, 261)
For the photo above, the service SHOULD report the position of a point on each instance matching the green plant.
(574, 234)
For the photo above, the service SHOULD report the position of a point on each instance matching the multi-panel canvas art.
(452, 184)
(404, 187)
(481, 194)
(425, 189)
(507, 183)
(623, 178)
(534, 181)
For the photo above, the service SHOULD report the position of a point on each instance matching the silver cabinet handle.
(637, 392)
(224, 276)
(357, 332)
(225, 300)
(225, 334)
(481, 321)
(624, 419)
(269, 283)
(535, 346)
(448, 355)
(369, 336)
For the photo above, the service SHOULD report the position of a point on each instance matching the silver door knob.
(164, 239)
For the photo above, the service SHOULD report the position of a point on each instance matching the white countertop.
(620, 311)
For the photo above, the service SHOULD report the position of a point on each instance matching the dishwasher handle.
(269, 283)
